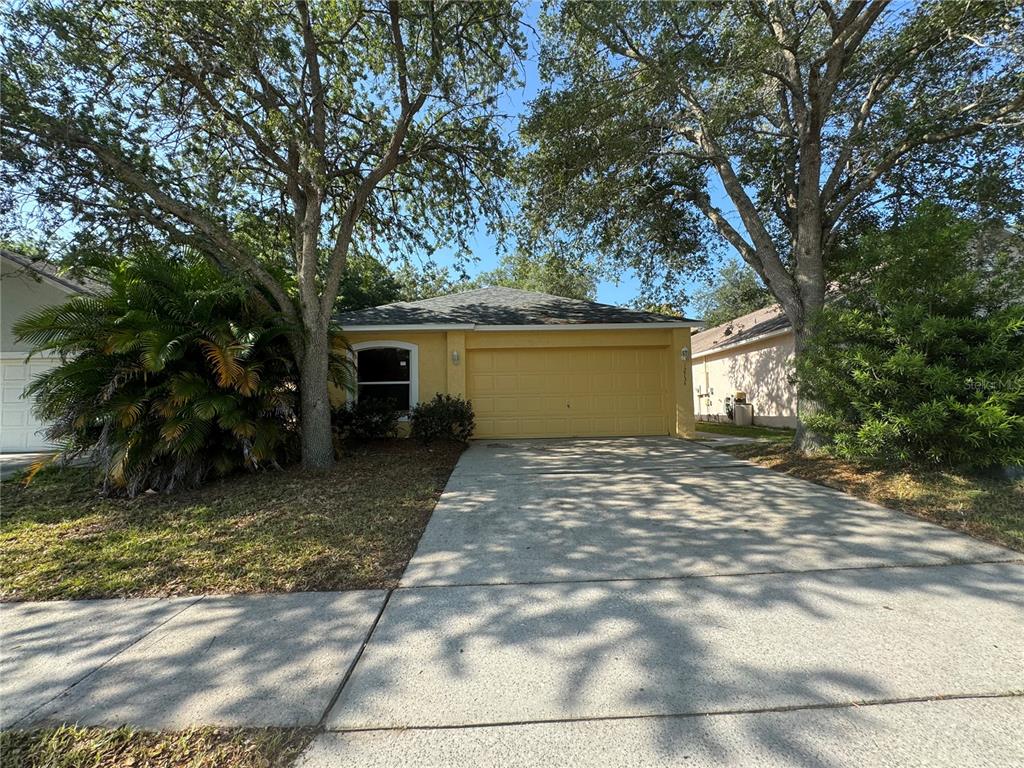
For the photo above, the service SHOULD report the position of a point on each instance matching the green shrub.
(365, 420)
(921, 360)
(171, 374)
(446, 417)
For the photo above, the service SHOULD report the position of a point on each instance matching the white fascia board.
(26, 357)
(588, 326)
(536, 327)
(740, 344)
(409, 327)
(60, 283)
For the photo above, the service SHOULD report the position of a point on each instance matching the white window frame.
(414, 369)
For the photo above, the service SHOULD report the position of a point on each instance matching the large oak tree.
(807, 115)
(278, 137)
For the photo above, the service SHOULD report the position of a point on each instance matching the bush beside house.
(173, 374)
(921, 360)
(365, 420)
(445, 417)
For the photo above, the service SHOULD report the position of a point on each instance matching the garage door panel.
(569, 391)
(504, 363)
(649, 403)
(19, 428)
(651, 424)
(624, 382)
(535, 382)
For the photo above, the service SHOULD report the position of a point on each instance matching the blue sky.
(514, 104)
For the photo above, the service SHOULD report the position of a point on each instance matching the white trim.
(56, 281)
(738, 344)
(533, 327)
(589, 326)
(410, 327)
(414, 366)
(25, 356)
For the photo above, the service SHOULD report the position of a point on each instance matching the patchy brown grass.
(986, 507)
(284, 531)
(74, 747)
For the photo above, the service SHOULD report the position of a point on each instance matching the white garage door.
(19, 429)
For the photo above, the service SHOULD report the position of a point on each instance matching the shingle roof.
(501, 306)
(49, 271)
(741, 330)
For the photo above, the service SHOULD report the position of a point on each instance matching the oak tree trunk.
(317, 446)
(805, 440)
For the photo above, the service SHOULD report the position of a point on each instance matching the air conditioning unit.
(743, 414)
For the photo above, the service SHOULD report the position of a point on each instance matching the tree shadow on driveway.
(678, 587)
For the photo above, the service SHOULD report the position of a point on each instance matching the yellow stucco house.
(532, 364)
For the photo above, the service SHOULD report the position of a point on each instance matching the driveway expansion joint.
(809, 707)
(355, 660)
(723, 575)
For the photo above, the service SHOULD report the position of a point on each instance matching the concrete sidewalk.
(256, 660)
(655, 602)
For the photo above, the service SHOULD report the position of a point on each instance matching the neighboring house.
(751, 354)
(25, 286)
(533, 365)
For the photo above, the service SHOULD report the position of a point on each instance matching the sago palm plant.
(172, 374)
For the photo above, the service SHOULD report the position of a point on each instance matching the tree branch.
(857, 188)
(61, 133)
(312, 57)
(389, 160)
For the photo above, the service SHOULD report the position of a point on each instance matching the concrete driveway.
(655, 602)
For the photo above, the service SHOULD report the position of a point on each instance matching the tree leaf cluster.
(921, 358)
(173, 373)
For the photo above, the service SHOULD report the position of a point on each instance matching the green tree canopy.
(921, 357)
(546, 272)
(278, 137)
(736, 291)
(428, 280)
(811, 117)
(366, 282)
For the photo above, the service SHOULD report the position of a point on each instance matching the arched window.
(387, 370)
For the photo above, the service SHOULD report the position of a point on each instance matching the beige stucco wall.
(761, 369)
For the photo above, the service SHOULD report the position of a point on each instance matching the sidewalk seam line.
(691, 715)
(351, 667)
(730, 575)
(624, 470)
(96, 669)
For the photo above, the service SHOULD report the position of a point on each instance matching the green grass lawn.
(987, 507)
(74, 747)
(777, 435)
(280, 531)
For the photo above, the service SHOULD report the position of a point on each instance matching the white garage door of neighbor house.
(19, 428)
